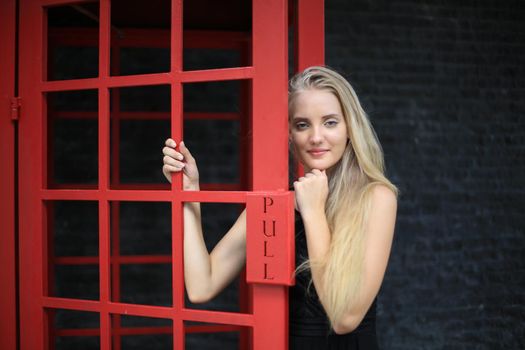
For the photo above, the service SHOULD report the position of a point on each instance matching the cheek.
(296, 141)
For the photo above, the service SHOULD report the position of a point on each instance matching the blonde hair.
(351, 181)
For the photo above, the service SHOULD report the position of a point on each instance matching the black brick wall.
(444, 84)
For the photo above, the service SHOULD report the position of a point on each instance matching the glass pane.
(219, 41)
(144, 60)
(209, 336)
(72, 135)
(75, 228)
(140, 123)
(216, 132)
(212, 97)
(73, 270)
(202, 58)
(73, 34)
(141, 253)
(77, 281)
(69, 329)
(147, 284)
(133, 332)
(141, 40)
(144, 228)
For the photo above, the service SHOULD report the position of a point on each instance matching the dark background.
(443, 83)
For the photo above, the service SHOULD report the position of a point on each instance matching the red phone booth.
(262, 73)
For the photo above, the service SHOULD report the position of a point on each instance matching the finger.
(171, 143)
(316, 172)
(173, 162)
(168, 169)
(309, 175)
(170, 152)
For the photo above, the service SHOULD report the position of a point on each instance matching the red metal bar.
(309, 30)
(212, 328)
(155, 38)
(117, 260)
(116, 331)
(146, 195)
(218, 317)
(309, 42)
(7, 177)
(31, 177)
(177, 123)
(270, 109)
(245, 291)
(103, 174)
(64, 2)
(149, 79)
(217, 74)
(148, 115)
(74, 332)
(208, 316)
(195, 39)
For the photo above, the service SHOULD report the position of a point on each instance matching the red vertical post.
(309, 29)
(8, 109)
(103, 174)
(309, 41)
(177, 231)
(31, 176)
(270, 151)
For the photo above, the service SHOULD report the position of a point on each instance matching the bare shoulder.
(384, 196)
(383, 212)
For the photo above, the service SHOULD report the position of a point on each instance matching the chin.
(318, 166)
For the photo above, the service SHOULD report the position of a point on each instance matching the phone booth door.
(72, 176)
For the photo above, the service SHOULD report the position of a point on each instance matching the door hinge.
(15, 108)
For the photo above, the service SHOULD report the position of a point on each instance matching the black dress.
(309, 325)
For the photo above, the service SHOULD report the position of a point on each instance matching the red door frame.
(268, 75)
(8, 111)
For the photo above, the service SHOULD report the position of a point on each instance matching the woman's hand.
(311, 192)
(182, 160)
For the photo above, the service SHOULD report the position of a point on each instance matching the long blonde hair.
(351, 181)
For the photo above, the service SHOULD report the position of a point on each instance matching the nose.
(316, 136)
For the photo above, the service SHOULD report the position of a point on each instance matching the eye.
(301, 125)
(331, 123)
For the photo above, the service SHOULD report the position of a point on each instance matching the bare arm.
(380, 232)
(205, 274)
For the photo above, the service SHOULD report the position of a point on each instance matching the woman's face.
(318, 129)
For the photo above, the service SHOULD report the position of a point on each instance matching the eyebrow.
(331, 115)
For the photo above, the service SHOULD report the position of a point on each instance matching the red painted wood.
(310, 48)
(270, 151)
(177, 122)
(31, 177)
(104, 174)
(309, 44)
(270, 247)
(264, 168)
(8, 339)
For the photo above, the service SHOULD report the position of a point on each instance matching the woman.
(345, 228)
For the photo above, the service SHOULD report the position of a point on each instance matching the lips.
(317, 152)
